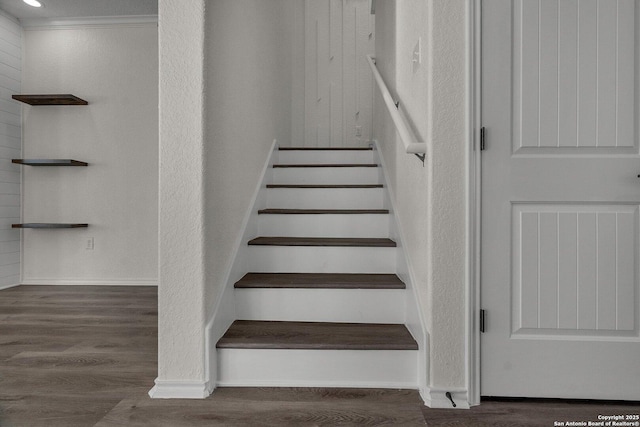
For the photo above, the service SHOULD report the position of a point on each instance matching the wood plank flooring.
(68, 355)
(528, 413)
(83, 356)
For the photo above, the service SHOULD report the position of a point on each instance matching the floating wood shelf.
(64, 99)
(48, 225)
(49, 162)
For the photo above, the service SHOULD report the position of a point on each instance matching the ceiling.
(79, 8)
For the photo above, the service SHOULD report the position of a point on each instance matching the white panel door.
(561, 197)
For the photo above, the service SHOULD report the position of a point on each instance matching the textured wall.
(447, 162)
(430, 199)
(114, 67)
(225, 95)
(182, 239)
(248, 49)
(10, 147)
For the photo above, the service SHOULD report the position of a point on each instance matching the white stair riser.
(317, 368)
(311, 259)
(324, 198)
(329, 175)
(308, 157)
(321, 305)
(325, 225)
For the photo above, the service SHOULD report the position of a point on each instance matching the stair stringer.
(414, 318)
(224, 313)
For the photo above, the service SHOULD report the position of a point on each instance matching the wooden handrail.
(408, 138)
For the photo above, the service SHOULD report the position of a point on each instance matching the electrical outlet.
(358, 130)
(89, 245)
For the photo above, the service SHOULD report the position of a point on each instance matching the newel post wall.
(181, 313)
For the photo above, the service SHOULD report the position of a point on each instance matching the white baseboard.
(76, 282)
(436, 398)
(180, 390)
(3, 287)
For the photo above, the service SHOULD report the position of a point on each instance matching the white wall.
(248, 105)
(10, 148)
(113, 67)
(430, 200)
(225, 95)
(181, 318)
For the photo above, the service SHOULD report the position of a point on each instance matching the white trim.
(423, 341)
(179, 390)
(10, 17)
(473, 218)
(90, 282)
(211, 334)
(3, 287)
(89, 21)
(436, 397)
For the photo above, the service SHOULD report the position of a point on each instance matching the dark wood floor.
(85, 356)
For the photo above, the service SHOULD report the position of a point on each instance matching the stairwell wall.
(248, 106)
(430, 200)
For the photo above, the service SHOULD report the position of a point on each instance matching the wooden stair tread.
(322, 211)
(324, 186)
(325, 148)
(322, 241)
(320, 281)
(328, 165)
(251, 334)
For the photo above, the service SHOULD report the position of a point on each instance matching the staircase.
(321, 305)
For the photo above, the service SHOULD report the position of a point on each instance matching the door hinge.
(483, 320)
(483, 138)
